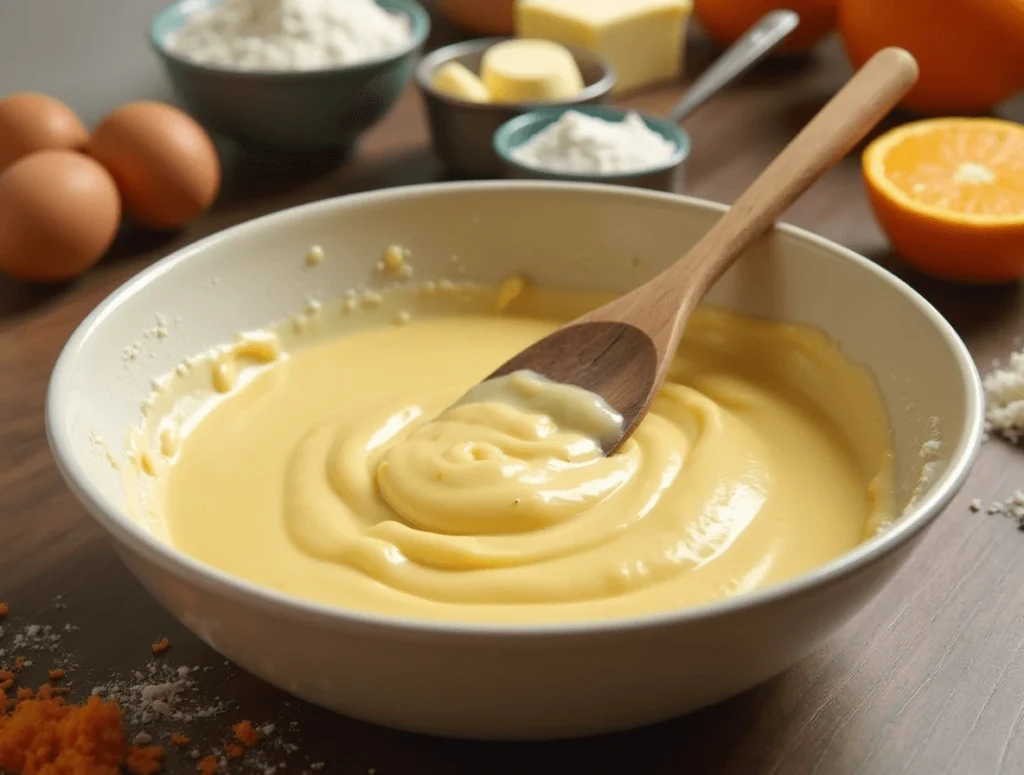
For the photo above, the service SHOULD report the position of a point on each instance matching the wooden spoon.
(621, 351)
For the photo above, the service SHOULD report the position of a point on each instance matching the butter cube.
(459, 81)
(530, 71)
(643, 39)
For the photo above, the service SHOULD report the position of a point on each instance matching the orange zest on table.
(145, 761)
(161, 646)
(4, 610)
(949, 193)
(207, 765)
(246, 734)
(43, 735)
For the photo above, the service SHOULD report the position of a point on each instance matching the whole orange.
(727, 20)
(481, 17)
(971, 54)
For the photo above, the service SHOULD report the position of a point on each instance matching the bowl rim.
(176, 563)
(599, 88)
(547, 116)
(412, 9)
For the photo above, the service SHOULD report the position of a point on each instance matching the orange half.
(949, 193)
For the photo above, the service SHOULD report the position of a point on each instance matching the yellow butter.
(459, 81)
(530, 71)
(643, 39)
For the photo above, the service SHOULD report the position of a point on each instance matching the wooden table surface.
(929, 679)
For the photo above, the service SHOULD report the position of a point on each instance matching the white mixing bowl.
(481, 680)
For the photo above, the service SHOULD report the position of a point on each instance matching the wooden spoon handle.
(871, 93)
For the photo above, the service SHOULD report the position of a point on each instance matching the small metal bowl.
(463, 132)
(667, 176)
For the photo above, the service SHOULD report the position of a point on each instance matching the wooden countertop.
(929, 679)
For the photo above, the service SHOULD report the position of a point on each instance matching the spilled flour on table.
(162, 703)
(1004, 398)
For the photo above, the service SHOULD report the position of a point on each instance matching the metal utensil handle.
(769, 31)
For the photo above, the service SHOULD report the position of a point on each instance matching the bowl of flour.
(594, 143)
(294, 76)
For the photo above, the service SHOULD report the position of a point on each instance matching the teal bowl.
(304, 112)
(667, 176)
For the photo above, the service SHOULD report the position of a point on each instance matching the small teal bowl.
(304, 112)
(667, 176)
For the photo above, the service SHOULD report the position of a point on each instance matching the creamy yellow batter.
(320, 473)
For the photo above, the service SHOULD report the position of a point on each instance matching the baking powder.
(288, 34)
(578, 144)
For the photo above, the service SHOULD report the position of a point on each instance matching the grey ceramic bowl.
(296, 112)
(663, 177)
(463, 131)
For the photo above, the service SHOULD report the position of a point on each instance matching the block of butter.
(522, 70)
(643, 39)
(459, 81)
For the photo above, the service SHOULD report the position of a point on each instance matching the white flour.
(578, 144)
(288, 34)
(1004, 399)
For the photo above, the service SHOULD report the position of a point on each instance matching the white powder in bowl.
(284, 35)
(578, 144)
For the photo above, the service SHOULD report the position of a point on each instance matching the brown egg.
(164, 163)
(59, 212)
(31, 122)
